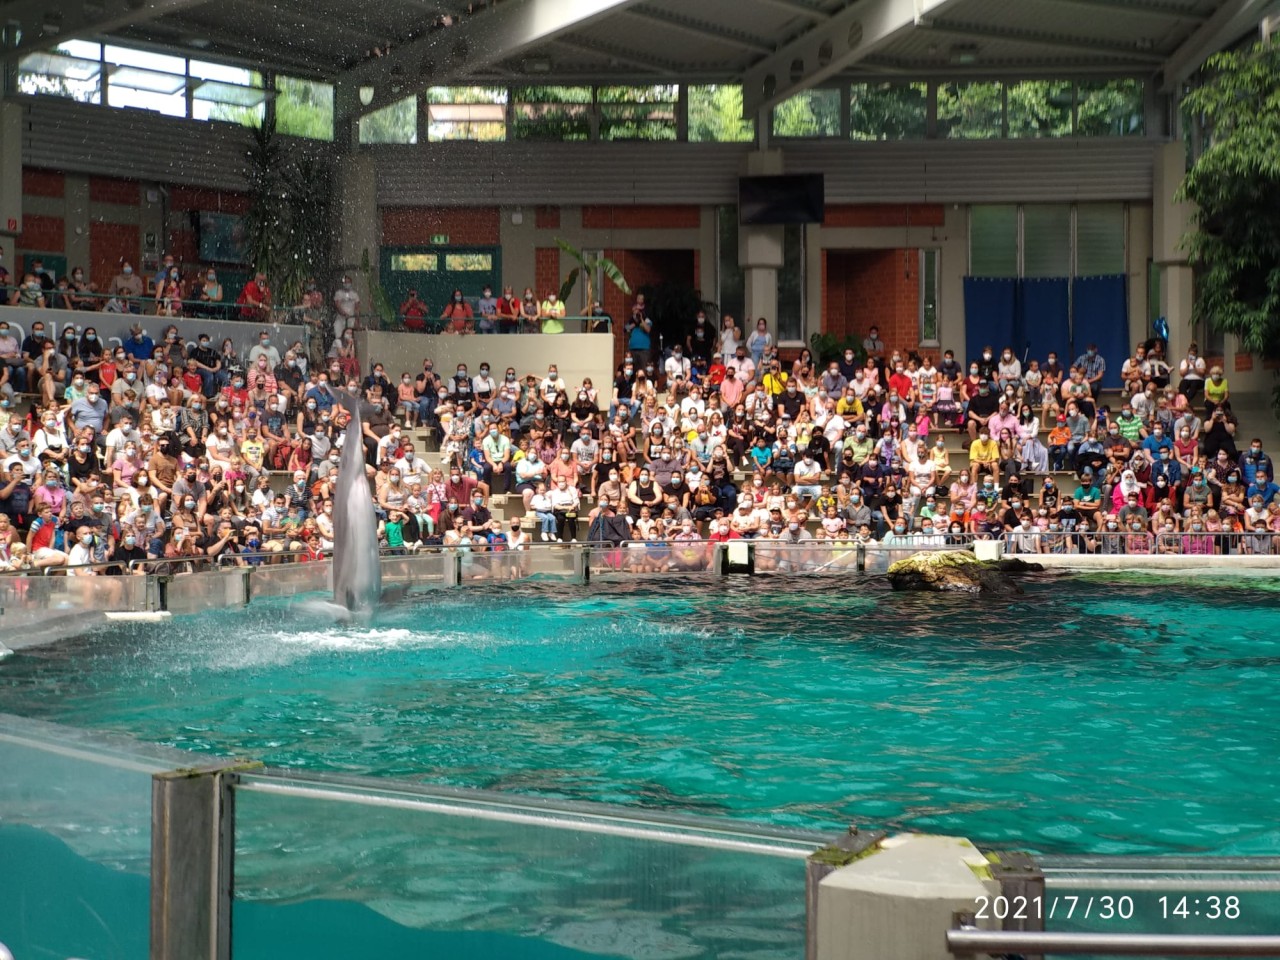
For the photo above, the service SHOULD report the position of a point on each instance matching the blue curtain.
(1044, 321)
(1100, 309)
(990, 313)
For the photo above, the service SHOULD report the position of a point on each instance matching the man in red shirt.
(899, 381)
(508, 311)
(255, 299)
(413, 312)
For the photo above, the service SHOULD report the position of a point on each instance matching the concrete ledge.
(898, 902)
(1244, 566)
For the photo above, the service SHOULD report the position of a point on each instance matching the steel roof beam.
(1129, 52)
(1147, 8)
(44, 25)
(1231, 21)
(702, 29)
(446, 54)
(830, 47)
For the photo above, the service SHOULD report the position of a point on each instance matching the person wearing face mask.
(1094, 366)
(497, 450)
(264, 349)
(457, 315)
(983, 405)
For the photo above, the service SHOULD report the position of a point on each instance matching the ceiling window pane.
(715, 115)
(1046, 240)
(395, 123)
(993, 240)
(1110, 108)
(970, 111)
(147, 90)
(227, 102)
(810, 113)
(81, 49)
(52, 75)
(637, 113)
(1100, 239)
(551, 113)
(1040, 108)
(888, 111)
(145, 59)
(304, 108)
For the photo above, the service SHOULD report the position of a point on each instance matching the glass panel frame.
(1110, 108)
(1047, 240)
(1039, 109)
(396, 123)
(930, 297)
(888, 111)
(715, 114)
(55, 75)
(810, 114)
(993, 240)
(972, 110)
(415, 262)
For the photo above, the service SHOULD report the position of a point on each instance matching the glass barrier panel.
(332, 867)
(655, 558)
(75, 840)
(807, 557)
(32, 607)
(1159, 895)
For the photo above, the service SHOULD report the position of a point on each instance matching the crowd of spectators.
(165, 450)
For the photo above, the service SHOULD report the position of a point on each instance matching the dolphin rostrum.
(357, 571)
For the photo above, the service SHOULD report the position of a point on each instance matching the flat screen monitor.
(222, 238)
(793, 198)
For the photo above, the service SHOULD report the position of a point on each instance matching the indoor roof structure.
(775, 48)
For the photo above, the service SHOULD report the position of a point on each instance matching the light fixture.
(366, 96)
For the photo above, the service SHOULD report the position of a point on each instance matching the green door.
(435, 272)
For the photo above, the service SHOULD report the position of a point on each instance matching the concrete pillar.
(357, 225)
(898, 902)
(760, 251)
(10, 179)
(1170, 222)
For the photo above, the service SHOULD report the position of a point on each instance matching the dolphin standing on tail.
(357, 572)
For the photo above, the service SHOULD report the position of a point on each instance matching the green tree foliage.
(1040, 108)
(637, 113)
(395, 123)
(287, 225)
(811, 113)
(304, 109)
(715, 115)
(551, 113)
(888, 111)
(1235, 183)
(1109, 108)
(970, 111)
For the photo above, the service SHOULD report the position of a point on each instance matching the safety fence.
(138, 847)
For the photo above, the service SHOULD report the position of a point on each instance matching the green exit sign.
(439, 239)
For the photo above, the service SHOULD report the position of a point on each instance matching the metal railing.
(968, 940)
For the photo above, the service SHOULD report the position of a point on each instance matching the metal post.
(847, 848)
(968, 941)
(582, 564)
(1021, 881)
(192, 847)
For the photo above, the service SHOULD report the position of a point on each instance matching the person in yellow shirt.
(552, 312)
(775, 380)
(984, 454)
(849, 407)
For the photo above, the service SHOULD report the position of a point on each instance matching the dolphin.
(357, 571)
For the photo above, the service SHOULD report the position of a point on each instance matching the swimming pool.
(1089, 715)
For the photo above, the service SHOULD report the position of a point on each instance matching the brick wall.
(641, 217)
(111, 190)
(546, 218)
(196, 198)
(1244, 362)
(884, 215)
(109, 243)
(862, 288)
(546, 271)
(45, 234)
(43, 183)
(643, 268)
(464, 226)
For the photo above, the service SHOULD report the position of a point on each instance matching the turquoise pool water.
(1086, 716)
